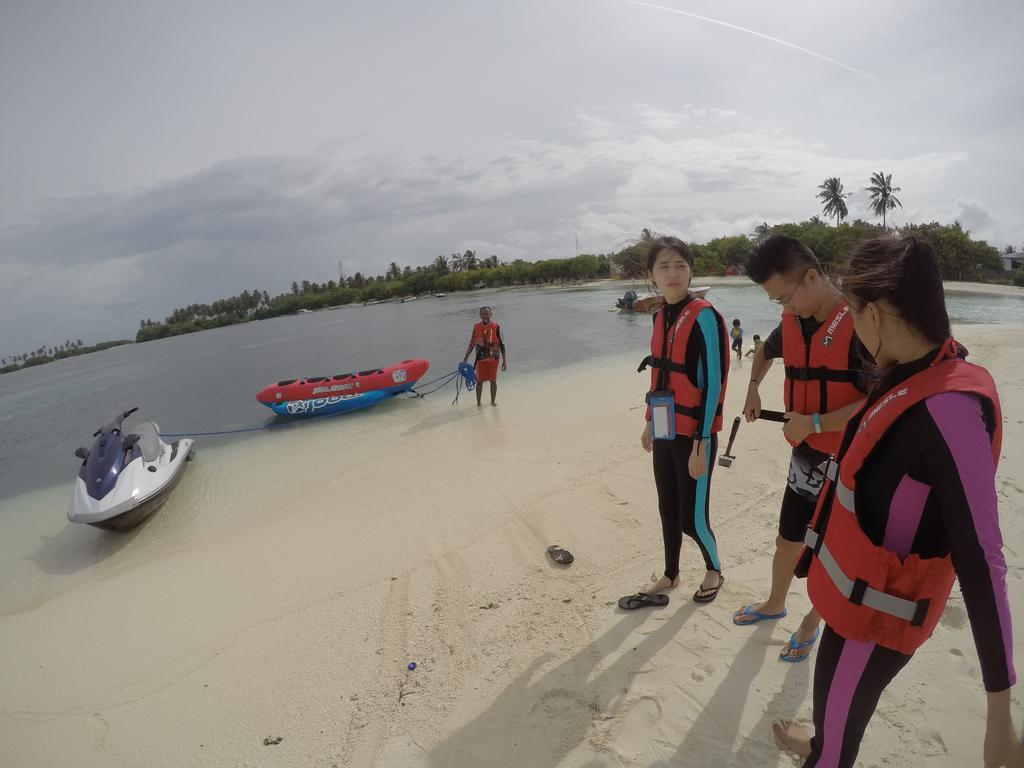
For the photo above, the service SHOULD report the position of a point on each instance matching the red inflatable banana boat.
(395, 378)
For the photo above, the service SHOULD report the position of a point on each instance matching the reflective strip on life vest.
(858, 592)
(845, 496)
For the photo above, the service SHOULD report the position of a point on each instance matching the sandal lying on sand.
(755, 616)
(642, 600)
(708, 595)
(559, 555)
(795, 646)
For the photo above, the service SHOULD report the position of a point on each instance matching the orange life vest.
(487, 339)
(818, 379)
(670, 352)
(864, 591)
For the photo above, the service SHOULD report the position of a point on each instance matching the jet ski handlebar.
(115, 425)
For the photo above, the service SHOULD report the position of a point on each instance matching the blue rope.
(464, 373)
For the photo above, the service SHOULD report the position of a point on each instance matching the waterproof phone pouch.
(663, 415)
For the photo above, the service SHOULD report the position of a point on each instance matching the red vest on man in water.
(487, 339)
(686, 394)
(818, 379)
(864, 591)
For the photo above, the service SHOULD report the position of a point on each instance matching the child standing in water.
(736, 334)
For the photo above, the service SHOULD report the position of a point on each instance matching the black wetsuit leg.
(684, 502)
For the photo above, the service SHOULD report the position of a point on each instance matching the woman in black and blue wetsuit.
(910, 506)
(690, 362)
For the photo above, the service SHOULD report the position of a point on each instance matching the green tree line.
(42, 355)
(960, 258)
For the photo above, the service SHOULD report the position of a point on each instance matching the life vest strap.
(654, 362)
(694, 411)
(858, 592)
(795, 373)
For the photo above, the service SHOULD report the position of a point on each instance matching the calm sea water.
(208, 381)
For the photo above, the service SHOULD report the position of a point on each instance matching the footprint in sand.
(702, 671)
(99, 728)
(636, 725)
(954, 617)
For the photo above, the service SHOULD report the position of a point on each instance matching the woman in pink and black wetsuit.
(915, 475)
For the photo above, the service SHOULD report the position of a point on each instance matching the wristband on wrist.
(816, 418)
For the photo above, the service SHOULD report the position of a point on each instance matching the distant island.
(960, 258)
(49, 354)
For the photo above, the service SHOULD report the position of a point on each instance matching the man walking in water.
(489, 346)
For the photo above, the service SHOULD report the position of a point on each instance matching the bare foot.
(494, 404)
(750, 616)
(660, 584)
(790, 736)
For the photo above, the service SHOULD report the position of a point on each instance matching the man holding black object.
(826, 378)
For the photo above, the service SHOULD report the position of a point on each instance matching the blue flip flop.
(755, 616)
(795, 646)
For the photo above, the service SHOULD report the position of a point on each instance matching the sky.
(157, 154)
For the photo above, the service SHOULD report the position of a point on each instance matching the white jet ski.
(126, 476)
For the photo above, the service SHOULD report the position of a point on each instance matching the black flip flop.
(642, 600)
(559, 555)
(699, 598)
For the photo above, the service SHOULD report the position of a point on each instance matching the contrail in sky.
(815, 54)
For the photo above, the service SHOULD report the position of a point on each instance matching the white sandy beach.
(291, 578)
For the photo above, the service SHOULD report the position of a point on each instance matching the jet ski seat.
(149, 440)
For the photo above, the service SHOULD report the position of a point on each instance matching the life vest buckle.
(921, 612)
(860, 588)
(832, 468)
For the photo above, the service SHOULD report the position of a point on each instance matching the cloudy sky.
(153, 154)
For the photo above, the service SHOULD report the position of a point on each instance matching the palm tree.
(393, 272)
(456, 262)
(469, 260)
(646, 235)
(761, 232)
(883, 197)
(441, 265)
(834, 199)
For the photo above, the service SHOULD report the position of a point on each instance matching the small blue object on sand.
(795, 646)
(753, 617)
(412, 666)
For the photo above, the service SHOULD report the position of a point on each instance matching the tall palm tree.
(761, 232)
(646, 235)
(469, 260)
(456, 262)
(834, 199)
(883, 197)
(441, 265)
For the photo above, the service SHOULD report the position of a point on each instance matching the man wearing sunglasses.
(827, 370)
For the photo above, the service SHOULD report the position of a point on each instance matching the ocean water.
(208, 381)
